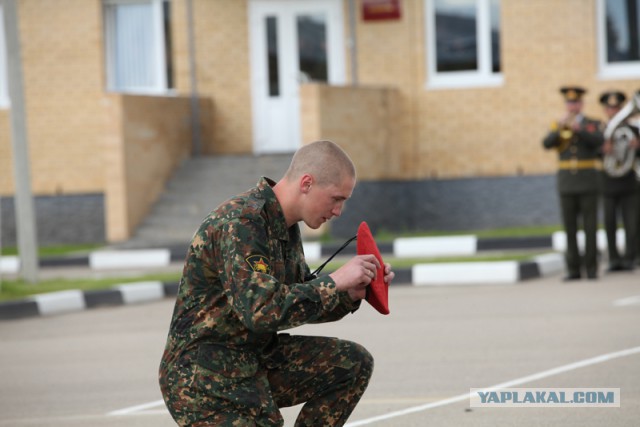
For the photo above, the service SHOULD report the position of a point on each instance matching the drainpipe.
(353, 46)
(196, 144)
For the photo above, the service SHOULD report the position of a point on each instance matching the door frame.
(289, 96)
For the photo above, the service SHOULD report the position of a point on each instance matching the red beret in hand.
(378, 291)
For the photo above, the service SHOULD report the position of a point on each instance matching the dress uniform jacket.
(579, 165)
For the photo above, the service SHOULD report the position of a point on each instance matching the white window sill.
(613, 72)
(145, 92)
(463, 81)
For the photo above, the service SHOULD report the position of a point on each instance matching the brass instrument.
(622, 157)
(565, 131)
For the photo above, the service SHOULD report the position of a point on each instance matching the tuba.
(622, 157)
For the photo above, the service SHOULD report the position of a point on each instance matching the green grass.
(55, 251)
(18, 289)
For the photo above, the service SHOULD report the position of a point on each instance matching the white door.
(292, 41)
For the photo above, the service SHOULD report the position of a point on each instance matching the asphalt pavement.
(99, 367)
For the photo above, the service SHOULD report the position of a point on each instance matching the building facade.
(442, 104)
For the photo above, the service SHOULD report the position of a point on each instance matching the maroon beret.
(378, 291)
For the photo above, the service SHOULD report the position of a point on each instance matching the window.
(619, 38)
(138, 45)
(4, 85)
(312, 48)
(463, 43)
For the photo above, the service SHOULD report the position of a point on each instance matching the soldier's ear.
(306, 182)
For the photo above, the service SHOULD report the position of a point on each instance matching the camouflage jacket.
(243, 280)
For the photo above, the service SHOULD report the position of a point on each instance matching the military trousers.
(581, 208)
(625, 204)
(228, 387)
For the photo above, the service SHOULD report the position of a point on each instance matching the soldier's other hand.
(607, 147)
(388, 273)
(356, 275)
(356, 294)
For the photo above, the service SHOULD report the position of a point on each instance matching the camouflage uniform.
(225, 364)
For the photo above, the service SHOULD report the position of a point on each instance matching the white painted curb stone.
(469, 273)
(434, 246)
(9, 264)
(549, 264)
(129, 259)
(60, 302)
(312, 251)
(559, 240)
(141, 291)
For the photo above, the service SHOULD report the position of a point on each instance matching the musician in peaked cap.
(578, 140)
(614, 100)
(619, 192)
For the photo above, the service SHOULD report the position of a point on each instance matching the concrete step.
(198, 187)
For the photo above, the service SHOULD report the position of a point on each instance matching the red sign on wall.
(380, 10)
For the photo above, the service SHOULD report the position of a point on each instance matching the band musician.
(619, 185)
(577, 140)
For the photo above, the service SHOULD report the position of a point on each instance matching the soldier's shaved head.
(324, 160)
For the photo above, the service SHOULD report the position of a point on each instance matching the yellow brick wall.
(63, 87)
(548, 44)
(391, 53)
(82, 139)
(222, 61)
(493, 131)
(362, 120)
(143, 150)
(498, 131)
(440, 133)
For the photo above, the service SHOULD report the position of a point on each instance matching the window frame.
(606, 70)
(484, 75)
(161, 78)
(4, 64)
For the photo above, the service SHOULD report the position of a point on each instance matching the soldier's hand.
(607, 147)
(356, 275)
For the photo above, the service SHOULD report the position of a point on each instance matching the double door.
(292, 42)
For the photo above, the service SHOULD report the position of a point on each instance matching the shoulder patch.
(259, 263)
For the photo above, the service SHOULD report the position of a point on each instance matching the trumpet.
(622, 157)
(565, 131)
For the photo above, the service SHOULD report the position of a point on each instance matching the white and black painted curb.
(421, 247)
(104, 260)
(69, 301)
(489, 272)
(436, 274)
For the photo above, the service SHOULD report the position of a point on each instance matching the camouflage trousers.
(230, 387)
